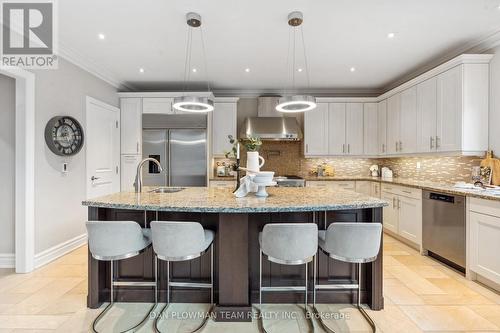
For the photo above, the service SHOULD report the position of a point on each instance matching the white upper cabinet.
(370, 129)
(131, 125)
(316, 131)
(158, 105)
(223, 124)
(408, 114)
(393, 123)
(449, 110)
(426, 115)
(337, 129)
(354, 128)
(382, 127)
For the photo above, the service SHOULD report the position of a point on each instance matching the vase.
(254, 161)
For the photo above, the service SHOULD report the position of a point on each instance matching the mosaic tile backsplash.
(287, 158)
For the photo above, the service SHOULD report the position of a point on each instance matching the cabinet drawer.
(332, 184)
(409, 192)
(346, 185)
(223, 183)
(317, 183)
(488, 207)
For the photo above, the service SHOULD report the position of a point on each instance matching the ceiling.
(339, 34)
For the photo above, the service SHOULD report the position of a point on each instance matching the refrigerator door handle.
(169, 170)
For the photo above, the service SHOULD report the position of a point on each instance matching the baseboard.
(7, 260)
(59, 250)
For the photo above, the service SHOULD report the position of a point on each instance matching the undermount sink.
(167, 189)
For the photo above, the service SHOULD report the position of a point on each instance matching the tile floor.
(421, 295)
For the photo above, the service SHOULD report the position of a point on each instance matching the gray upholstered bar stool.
(113, 241)
(288, 244)
(181, 241)
(356, 243)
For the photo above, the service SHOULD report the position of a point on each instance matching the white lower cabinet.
(484, 238)
(129, 165)
(403, 216)
(368, 187)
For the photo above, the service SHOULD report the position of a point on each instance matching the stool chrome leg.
(363, 312)
(158, 317)
(112, 302)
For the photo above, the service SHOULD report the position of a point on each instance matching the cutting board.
(494, 164)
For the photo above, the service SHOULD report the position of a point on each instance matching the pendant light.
(296, 103)
(190, 103)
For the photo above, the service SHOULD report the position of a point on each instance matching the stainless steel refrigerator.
(179, 143)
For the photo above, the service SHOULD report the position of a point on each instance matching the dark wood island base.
(236, 263)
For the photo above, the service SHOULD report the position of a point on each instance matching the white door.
(370, 128)
(337, 129)
(354, 128)
(316, 131)
(223, 125)
(382, 127)
(426, 115)
(131, 125)
(102, 148)
(410, 219)
(449, 110)
(390, 214)
(393, 123)
(408, 131)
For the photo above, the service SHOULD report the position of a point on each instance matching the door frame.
(24, 255)
(88, 101)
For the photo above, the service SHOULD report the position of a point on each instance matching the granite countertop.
(421, 184)
(221, 200)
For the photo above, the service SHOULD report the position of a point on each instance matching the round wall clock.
(64, 135)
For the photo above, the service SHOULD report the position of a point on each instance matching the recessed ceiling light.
(101, 36)
(391, 35)
(141, 70)
(498, 7)
(194, 70)
(299, 70)
(247, 70)
(352, 69)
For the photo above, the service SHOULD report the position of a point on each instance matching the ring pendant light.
(300, 102)
(190, 103)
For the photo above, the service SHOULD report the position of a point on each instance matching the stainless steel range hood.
(271, 128)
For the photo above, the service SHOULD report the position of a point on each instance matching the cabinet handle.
(343, 148)
(438, 142)
(307, 148)
(409, 192)
(397, 147)
(432, 142)
(393, 202)
(400, 145)
(137, 147)
(348, 148)
(383, 147)
(399, 204)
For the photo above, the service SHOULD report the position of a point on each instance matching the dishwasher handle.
(442, 197)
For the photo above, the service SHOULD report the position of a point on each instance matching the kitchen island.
(237, 223)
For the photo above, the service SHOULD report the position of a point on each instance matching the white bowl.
(264, 177)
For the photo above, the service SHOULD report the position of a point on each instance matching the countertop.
(221, 200)
(421, 184)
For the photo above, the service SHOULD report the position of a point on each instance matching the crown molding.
(91, 67)
(166, 94)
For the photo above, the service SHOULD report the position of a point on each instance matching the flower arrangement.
(251, 144)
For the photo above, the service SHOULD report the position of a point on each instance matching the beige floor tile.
(32, 285)
(393, 320)
(12, 298)
(455, 299)
(416, 259)
(390, 261)
(489, 312)
(61, 271)
(413, 281)
(452, 286)
(427, 271)
(447, 318)
(31, 321)
(66, 304)
(400, 294)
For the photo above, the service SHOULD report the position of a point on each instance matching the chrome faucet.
(138, 176)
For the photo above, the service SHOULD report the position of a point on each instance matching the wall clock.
(64, 135)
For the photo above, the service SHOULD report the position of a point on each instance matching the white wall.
(7, 163)
(59, 215)
(494, 118)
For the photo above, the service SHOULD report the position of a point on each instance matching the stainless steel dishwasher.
(443, 227)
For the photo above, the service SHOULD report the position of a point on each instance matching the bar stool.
(181, 241)
(113, 241)
(287, 244)
(356, 243)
